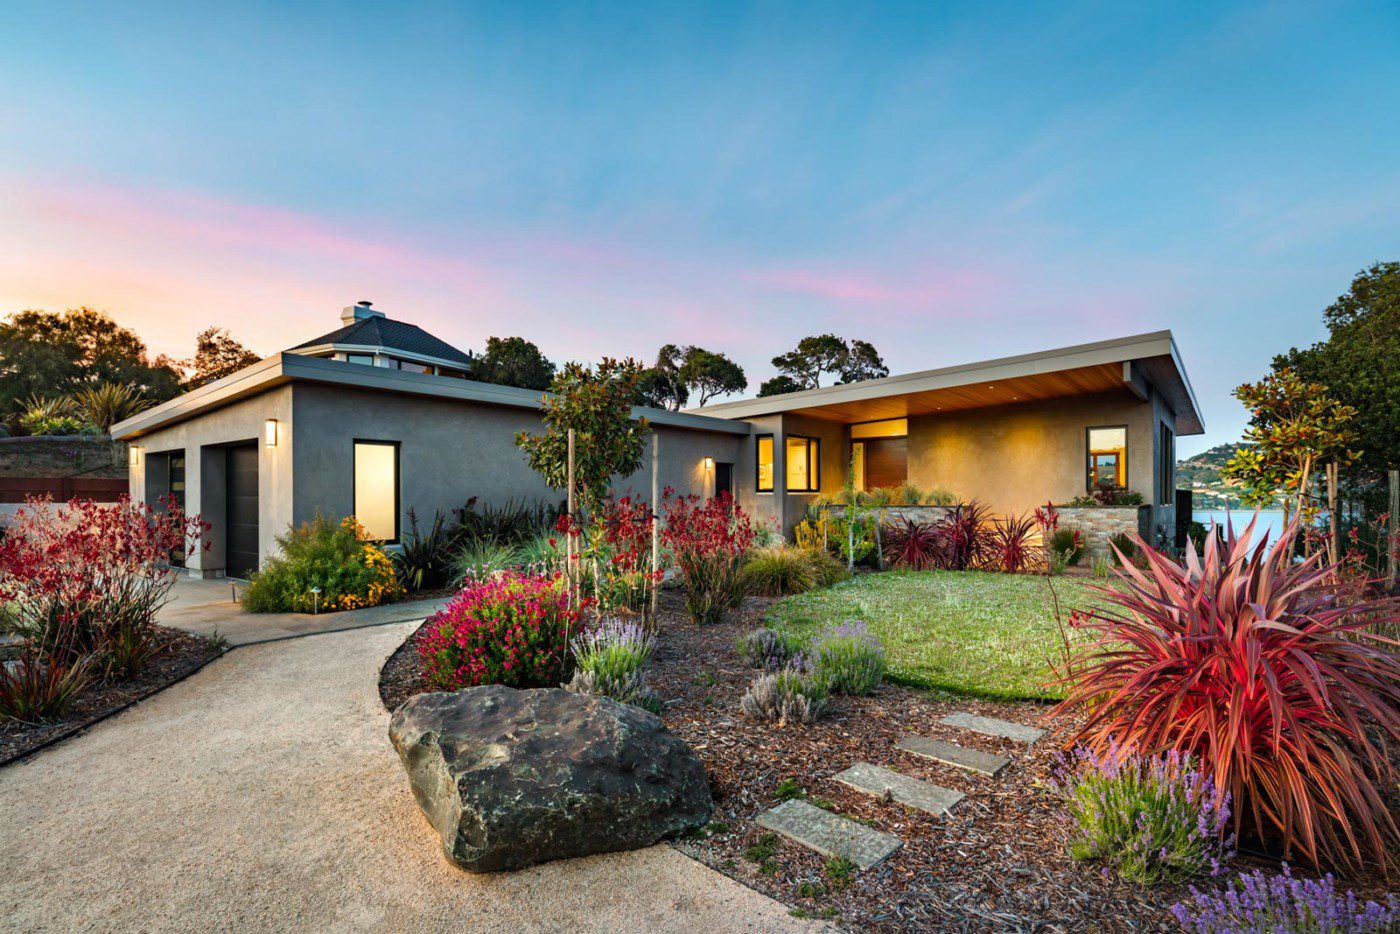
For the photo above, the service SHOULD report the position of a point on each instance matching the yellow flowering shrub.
(350, 573)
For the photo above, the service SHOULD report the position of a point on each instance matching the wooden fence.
(62, 489)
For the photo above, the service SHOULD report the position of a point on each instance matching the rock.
(510, 778)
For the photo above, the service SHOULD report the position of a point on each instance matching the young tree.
(709, 374)
(804, 366)
(216, 355)
(779, 385)
(596, 402)
(513, 361)
(1293, 425)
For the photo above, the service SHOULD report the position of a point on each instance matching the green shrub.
(611, 660)
(1102, 567)
(1124, 543)
(777, 572)
(1068, 541)
(941, 498)
(349, 572)
(849, 659)
(424, 558)
(826, 570)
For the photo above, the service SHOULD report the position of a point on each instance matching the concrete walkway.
(204, 607)
(262, 794)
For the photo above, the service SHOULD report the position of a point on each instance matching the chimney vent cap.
(359, 311)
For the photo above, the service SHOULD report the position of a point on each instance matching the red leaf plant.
(708, 541)
(1010, 547)
(965, 537)
(912, 545)
(88, 578)
(1255, 664)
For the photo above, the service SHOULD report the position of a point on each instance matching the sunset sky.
(949, 181)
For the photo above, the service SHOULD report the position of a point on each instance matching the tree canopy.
(44, 355)
(814, 357)
(513, 361)
(216, 355)
(680, 372)
(1359, 363)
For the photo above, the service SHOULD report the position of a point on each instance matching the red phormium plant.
(912, 545)
(707, 540)
(1253, 663)
(87, 578)
(964, 537)
(1010, 548)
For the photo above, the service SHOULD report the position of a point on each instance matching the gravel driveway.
(263, 794)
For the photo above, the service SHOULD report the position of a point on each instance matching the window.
(364, 359)
(1108, 458)
(765, 464)
(377, 489)
(411, 367)
(1166, 465)
(888, 428)
(803, 457)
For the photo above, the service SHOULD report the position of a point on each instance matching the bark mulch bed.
(996, 862)
(182, 654)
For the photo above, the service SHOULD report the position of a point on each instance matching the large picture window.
(377, 489)
(764, 460)
(1108, 458)
(803, 456)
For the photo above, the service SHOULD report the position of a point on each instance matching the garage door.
(242, 543)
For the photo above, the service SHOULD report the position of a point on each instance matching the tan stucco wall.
(1015, 457)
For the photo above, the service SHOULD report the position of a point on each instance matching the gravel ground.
(262, 794)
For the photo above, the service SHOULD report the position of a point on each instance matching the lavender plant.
(791, 694)
(1259, 904)
(610, 660)
(849, 659)
(1151, 819)
(766, 648)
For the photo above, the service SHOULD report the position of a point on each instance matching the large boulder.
(510, 778)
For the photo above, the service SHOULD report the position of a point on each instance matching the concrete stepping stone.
(880, 781)
(974, 760)
(829, 834)
(991, 726)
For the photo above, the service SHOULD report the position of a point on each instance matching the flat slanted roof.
(287, 367)
(1128, 364)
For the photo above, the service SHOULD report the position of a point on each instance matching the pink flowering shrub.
(88, 580)
(510, 629)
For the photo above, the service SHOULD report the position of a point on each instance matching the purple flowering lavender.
(1259, 904)
(1149, 818)
(611, 659)
(849, 658)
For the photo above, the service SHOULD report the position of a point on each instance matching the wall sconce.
(270, 432)
(709, 463)
(135, 452)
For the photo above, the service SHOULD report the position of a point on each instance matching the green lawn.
(986, 635)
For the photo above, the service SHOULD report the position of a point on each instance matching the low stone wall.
(1100, 523)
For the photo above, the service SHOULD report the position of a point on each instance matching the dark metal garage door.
(242, 543)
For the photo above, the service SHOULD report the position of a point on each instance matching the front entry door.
(241, 544)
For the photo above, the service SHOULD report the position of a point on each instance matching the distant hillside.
(1201, 475)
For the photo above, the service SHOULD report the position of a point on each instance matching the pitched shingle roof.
(391, 335)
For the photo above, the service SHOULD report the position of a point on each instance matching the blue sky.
(950, 181)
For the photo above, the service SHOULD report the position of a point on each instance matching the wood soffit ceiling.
(1106, 377)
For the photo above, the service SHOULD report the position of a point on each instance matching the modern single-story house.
(379, 416)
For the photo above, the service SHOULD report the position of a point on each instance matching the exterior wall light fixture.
(709, 463)
(135, 455)
(270, 432)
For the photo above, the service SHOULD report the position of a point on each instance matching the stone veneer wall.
(1100, 523)
(895, 513)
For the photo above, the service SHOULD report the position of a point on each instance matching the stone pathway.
(834, 835)
(829, 834)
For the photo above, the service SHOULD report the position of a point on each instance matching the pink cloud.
(950, 290)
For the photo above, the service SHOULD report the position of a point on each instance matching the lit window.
(765, 464)
(411, 367)
(1108, 458)
(887, 428)
(803, 464)
(1166, 464)
(377, 489)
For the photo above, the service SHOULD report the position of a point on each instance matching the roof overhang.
(1129, 364)
(287, 367)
